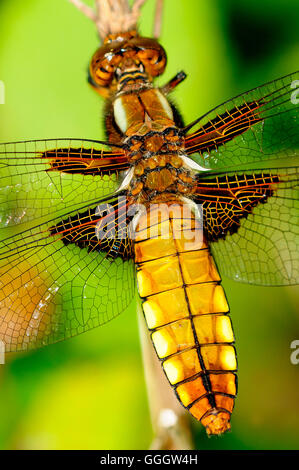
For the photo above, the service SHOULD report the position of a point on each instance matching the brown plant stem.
(170, 421)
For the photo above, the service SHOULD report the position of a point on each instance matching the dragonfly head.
(123, 53)
(116, 22)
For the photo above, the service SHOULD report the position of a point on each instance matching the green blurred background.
(89, 392)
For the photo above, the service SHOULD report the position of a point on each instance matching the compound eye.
(152, 55)
(103, 65)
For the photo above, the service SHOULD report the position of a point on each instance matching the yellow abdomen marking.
(187, 313)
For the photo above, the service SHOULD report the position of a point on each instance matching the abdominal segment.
(186, 311)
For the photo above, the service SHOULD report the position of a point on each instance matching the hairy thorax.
(155, 147)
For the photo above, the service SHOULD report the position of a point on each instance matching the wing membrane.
(252, 222)
(57, 282)
(38, 178)
(250, 131)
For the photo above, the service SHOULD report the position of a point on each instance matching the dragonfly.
(162, 206)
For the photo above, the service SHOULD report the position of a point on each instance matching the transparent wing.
(257, 129)
(58, 279)
(252, 222)
(250, 195)
(39, 178)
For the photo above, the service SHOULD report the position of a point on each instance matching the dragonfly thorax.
(139, 112)
(158, 166)
(154, 145)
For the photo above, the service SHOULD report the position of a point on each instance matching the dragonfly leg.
(174, 82)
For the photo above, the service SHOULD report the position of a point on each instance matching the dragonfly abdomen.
(186, 312)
